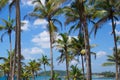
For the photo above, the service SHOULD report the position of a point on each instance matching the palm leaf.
(108, 64)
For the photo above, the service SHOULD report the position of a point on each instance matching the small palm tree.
(64, 47)
(111, 60)
(33, 67)
(45, 61)
(76, 73)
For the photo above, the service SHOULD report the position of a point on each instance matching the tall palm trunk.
(67, 63)
(18, 39)
(14, 66)
(83, 19)
(10, 73)
(83, 67)
(51, 52)
(115, 44)
(45, 71)
(33, 75)
(88, 56)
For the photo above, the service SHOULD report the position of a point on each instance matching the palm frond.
(1, 38)
(108, 64)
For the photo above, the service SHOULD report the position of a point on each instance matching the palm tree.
(111, 60)
(79, 50)
(107, 11)
(80, 13)
(6, 65)
(45, 61)
(8, 27)
(76, 73)
(48, 11)
(64, 46)
(3, 3)
(33, 67)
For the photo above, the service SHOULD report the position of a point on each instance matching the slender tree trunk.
(83, 67)
(83, 19)
(88, 56)
(51, 52)
(45, 71)
(33, 76)
(18, 39)
(67, 64)
(14, 66)
(115, 44)
(10, 73)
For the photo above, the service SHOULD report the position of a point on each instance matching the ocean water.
(47, 78)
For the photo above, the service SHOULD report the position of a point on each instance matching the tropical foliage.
(75, 17)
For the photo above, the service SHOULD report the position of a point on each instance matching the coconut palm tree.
(33, 67)
(107, 11)
(45, 61)
(8, 28)
(79, 50)
(3, 3)
(80, 13)
(48, 11)
(76, 73)
(64, 46)
(111, 61)
(6, 63)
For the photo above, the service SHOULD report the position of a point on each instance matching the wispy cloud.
(29, 52)
(42, 39)
(34, 50)
(117, 32)
(101, 53)
(30, 2)
(117, 23)
(41, 22)
(73, 62)
(25, 25)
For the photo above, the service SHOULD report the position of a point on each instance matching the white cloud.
(34, 50)
(25, 25)
(42, 22)
(117, 22)
(73, 62)
(118, 46)
(101, 53)
(29, 2)
(42, 39)
(117, 32)
(29, 53)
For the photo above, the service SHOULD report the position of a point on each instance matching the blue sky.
(35, 40)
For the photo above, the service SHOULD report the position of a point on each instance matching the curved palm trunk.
(83, 67)
(115, 44)
(18, 39)
(67, 64)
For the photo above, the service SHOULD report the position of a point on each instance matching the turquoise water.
(47, 78)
